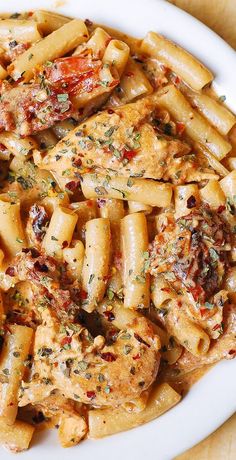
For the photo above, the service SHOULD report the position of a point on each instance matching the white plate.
(213, 399)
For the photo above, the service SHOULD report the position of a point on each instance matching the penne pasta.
(97, 43)
(217, 115)
(177, 59)
(134, 237)
(59, 42)
(48, 21)
(16, 438)
(195, 126)
(104, 422)
(11, 229)
(144, 191)
(96, 265)
(60, 231)
(15, 351)
(116, 54)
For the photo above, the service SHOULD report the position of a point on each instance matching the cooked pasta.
(117, 227)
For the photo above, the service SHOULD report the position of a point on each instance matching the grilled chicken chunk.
(124, 141)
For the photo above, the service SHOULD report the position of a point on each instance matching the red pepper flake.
(91, 394)
(65, 341)
(136, 356)
(109, 357)
(203, 311)
(109, 315)
(140, 340)
(129, 154)
(221, 209)
(56, 364)
(110, 111)
(83, 294)
(180, 128)
(90, 203)
(179, 303)
(129, 74)
(217, 326)
(10, 271)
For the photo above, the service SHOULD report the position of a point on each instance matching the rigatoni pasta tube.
(60, 231)
(11, 229)
(15, 350)
(58, 43)
(96, 261)
(145, 191)
(177, 59)
(196, 126)
(134, 237)
(104, 422)
(16, 437)
(218, 115)
(116, 54)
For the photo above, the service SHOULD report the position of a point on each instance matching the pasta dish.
(117, 227)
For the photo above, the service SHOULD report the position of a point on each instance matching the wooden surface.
(220, 15)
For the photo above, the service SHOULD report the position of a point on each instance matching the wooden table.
(220, 15)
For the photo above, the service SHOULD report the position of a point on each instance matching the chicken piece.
(67, 358)
(45, 274)
(193, 250)
(123, 140)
